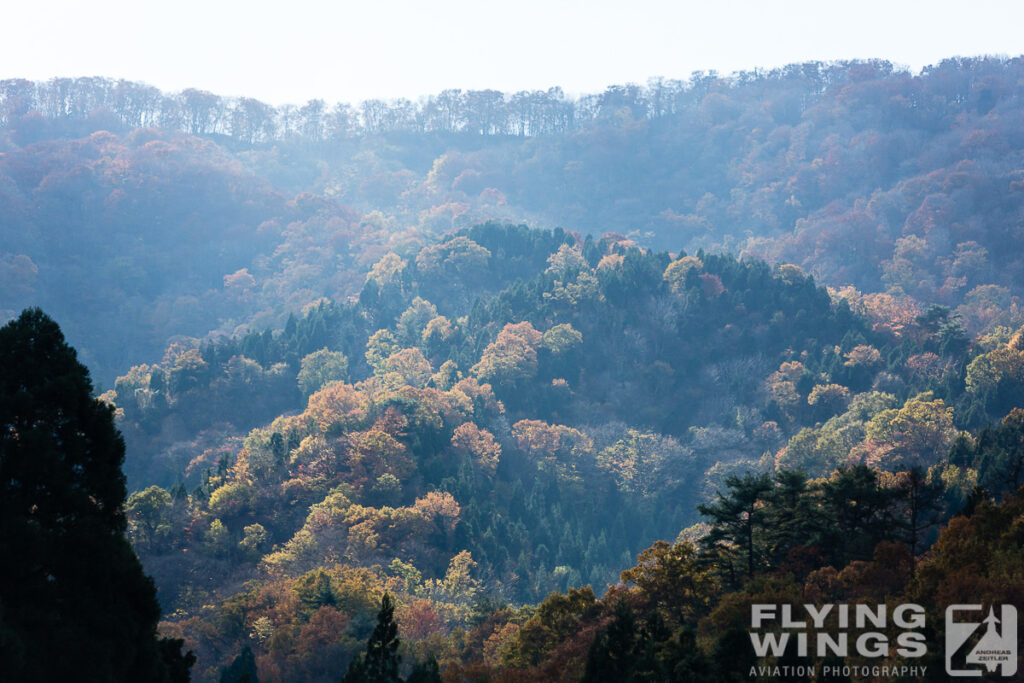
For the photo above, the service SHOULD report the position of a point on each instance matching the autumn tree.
(919, 433)
(673, 579)
(512, 357)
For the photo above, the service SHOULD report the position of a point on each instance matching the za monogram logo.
(974, 644)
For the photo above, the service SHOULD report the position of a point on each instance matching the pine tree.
(242, 670)
(381, 661)
(74, 602)
(738, 519)
(425, 672)
(612, 657)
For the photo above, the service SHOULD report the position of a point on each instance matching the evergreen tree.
(684, 660)
(857, 513)
(74, 602)
(732, 655)
(791, 519)
(738, 519)
(425, 672)
(242, 670)
(921, 500)
(381, 661)
(613, 654)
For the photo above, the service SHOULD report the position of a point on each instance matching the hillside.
(556, 387)
(495, 448)
(211, 213)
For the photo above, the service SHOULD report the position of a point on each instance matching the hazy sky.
(348, 51)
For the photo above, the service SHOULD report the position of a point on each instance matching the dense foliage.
(375, 427)
(197, 212)
(68, 577)
(533, 432)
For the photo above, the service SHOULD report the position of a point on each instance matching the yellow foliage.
(411, 366)
(335, 403)
(676, 272)
(230, 498)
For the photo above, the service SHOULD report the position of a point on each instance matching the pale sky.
(290, 52)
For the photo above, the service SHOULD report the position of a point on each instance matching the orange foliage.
(480, 444)
(335, 403)
(419, 619)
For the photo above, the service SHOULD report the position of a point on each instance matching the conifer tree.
(425, 672)
(242, 669)
(612, 656)
(74, 602)
(381, 661)
(738, 518)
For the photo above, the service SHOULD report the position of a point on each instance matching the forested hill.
(197, 212)
(563, 405)
(435, 361)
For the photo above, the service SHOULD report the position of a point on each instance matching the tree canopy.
(74, 601)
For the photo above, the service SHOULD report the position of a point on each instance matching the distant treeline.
(81, 105)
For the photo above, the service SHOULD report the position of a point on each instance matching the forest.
(509, 387)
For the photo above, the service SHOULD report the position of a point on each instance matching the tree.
(69, 581)
(242, 669)
(320, 368)
(425, 672)
(792, 519)
(919, 433)
(738, 518)
(512, 357)
(920, 498)
(147, 512)
(381, 661)
(613, 654)
(997, 454)
(857, 513)
(672, 578)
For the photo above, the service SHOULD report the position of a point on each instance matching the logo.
(988, 642)
(815, 632)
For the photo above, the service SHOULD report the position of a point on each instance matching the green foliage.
(918, 434)
(425, 672)
(738, 519)
(997, 454)
(242, 669)
(315, 591)
(380, 346)
(381, 661)
(603, 384)
(614, 653)
(580, 435)
(413, 322)
(148, 514)
(230, 499)
(62, 498)
(321, 368)
(254, 541)
(561, 339)
(217, 539)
